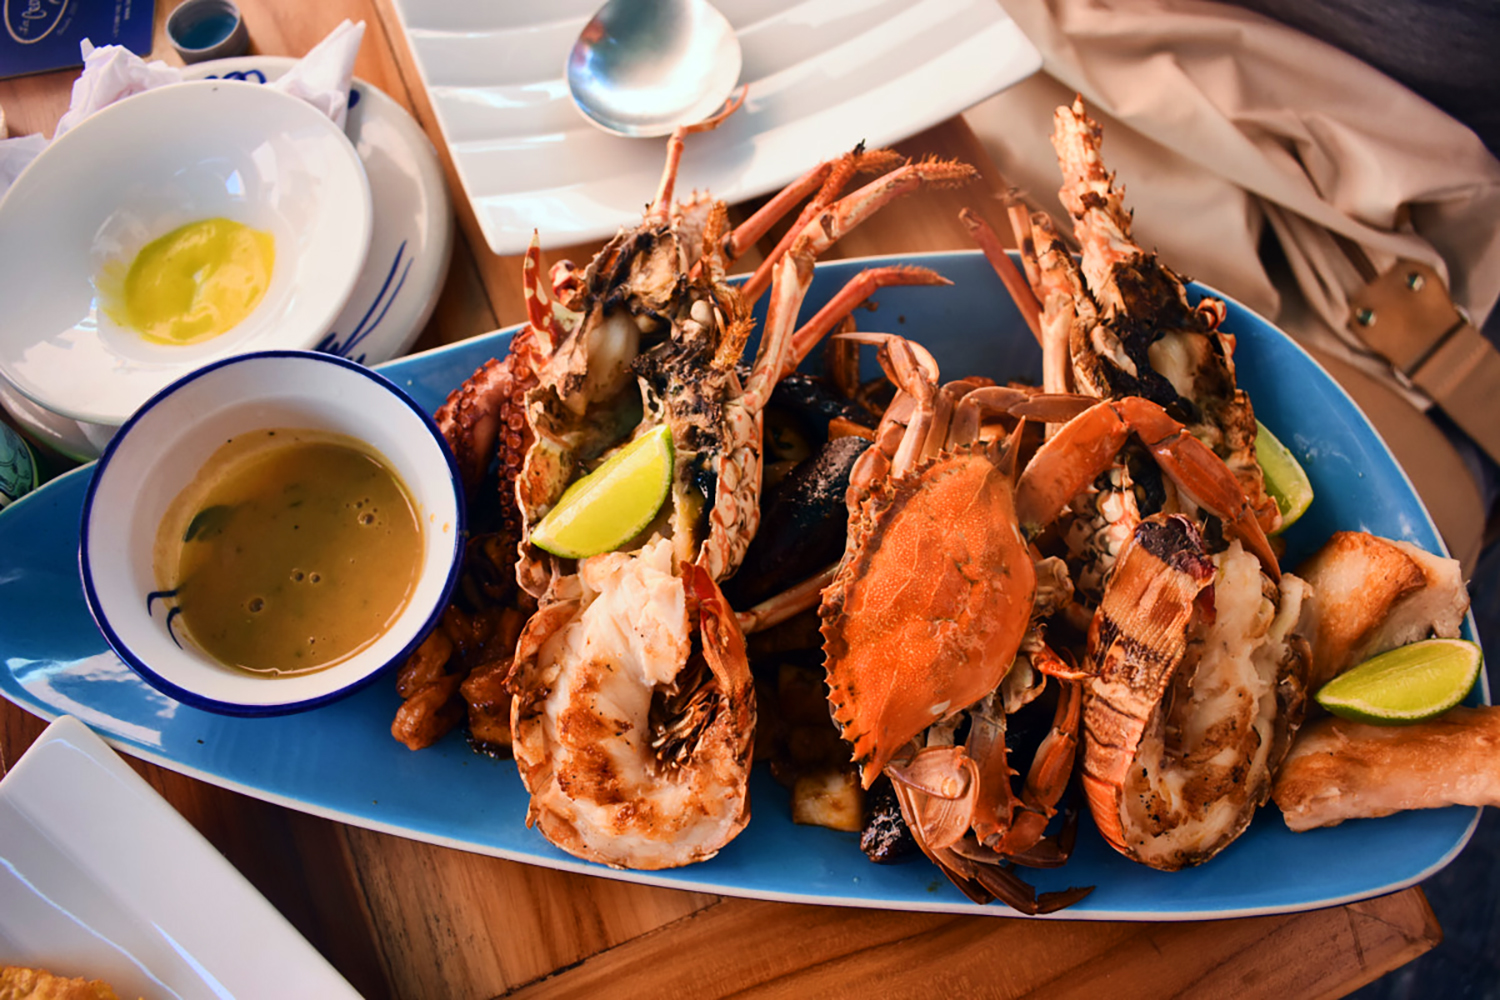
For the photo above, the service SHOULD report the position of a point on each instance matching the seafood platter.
(979, 601)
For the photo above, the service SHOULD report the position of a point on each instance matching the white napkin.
(112, 73)
(321, 78)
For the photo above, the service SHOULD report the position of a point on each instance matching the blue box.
(43, 35)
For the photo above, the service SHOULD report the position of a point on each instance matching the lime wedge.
(1286, 482)
(611, 505)
(1408, 684)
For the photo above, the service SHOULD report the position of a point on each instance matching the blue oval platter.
(341, 762)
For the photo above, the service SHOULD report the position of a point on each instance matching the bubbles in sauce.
(290, 551)
(196, 282)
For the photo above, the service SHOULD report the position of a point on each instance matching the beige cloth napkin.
(1220, 123)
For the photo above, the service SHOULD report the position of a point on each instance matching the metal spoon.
(643, 67)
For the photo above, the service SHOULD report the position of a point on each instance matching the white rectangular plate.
(101, 878)
(822, 77)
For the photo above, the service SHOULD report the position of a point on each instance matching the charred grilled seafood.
(1119, 323)
(916, 660)
(634, 712)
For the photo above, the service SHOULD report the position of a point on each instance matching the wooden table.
(405, 919)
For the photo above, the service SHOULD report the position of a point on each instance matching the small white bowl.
(161, 448)
(136, 171)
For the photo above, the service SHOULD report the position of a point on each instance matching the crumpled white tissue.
(15, 154)
(321, 78)
(112, 73)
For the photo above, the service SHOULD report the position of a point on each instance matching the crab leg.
(875, 463)
(971, 410)
(855, 208)
(913, 371)
(661, 206)
(829, 180)
(841, 362)
(1051, 769)
(982, 879)
(1067, 308)
(787, 604)
(1020, 225)
(743, 236)
(996, 803)
(860, 287)
(792, 273)
(1014, 283)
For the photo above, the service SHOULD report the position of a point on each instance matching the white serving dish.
(101, 878)
(411, 244)
(412, 239)
(139, 169)
(822, 77)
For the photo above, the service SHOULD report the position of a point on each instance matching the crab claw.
(1087, 445)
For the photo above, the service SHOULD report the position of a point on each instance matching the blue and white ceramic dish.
(177, 155)
(159, 451)
(411, 243)
(341, 762)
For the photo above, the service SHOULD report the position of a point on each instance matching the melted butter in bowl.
(290, 551)
(196, 282)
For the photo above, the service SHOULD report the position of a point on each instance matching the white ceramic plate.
(823, 76)
(411, 244)
(100, 878)
(141, 168)
(162, 448)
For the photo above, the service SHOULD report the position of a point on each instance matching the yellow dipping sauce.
(290, 551)
(196, 282)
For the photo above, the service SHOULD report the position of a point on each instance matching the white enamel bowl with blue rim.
(161, 448)
(137, 170)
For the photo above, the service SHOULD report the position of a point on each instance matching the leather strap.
(1406, 316)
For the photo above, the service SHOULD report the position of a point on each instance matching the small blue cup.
(207, 29)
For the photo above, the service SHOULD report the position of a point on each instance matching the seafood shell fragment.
(1197, 690)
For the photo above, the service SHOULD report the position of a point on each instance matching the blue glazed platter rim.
(340, 762)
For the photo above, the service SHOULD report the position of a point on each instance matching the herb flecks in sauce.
(289, 551)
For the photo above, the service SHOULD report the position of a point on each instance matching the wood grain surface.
(402, 919)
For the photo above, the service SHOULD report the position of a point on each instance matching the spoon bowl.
(641, 69)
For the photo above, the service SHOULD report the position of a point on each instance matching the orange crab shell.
(930, 603)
